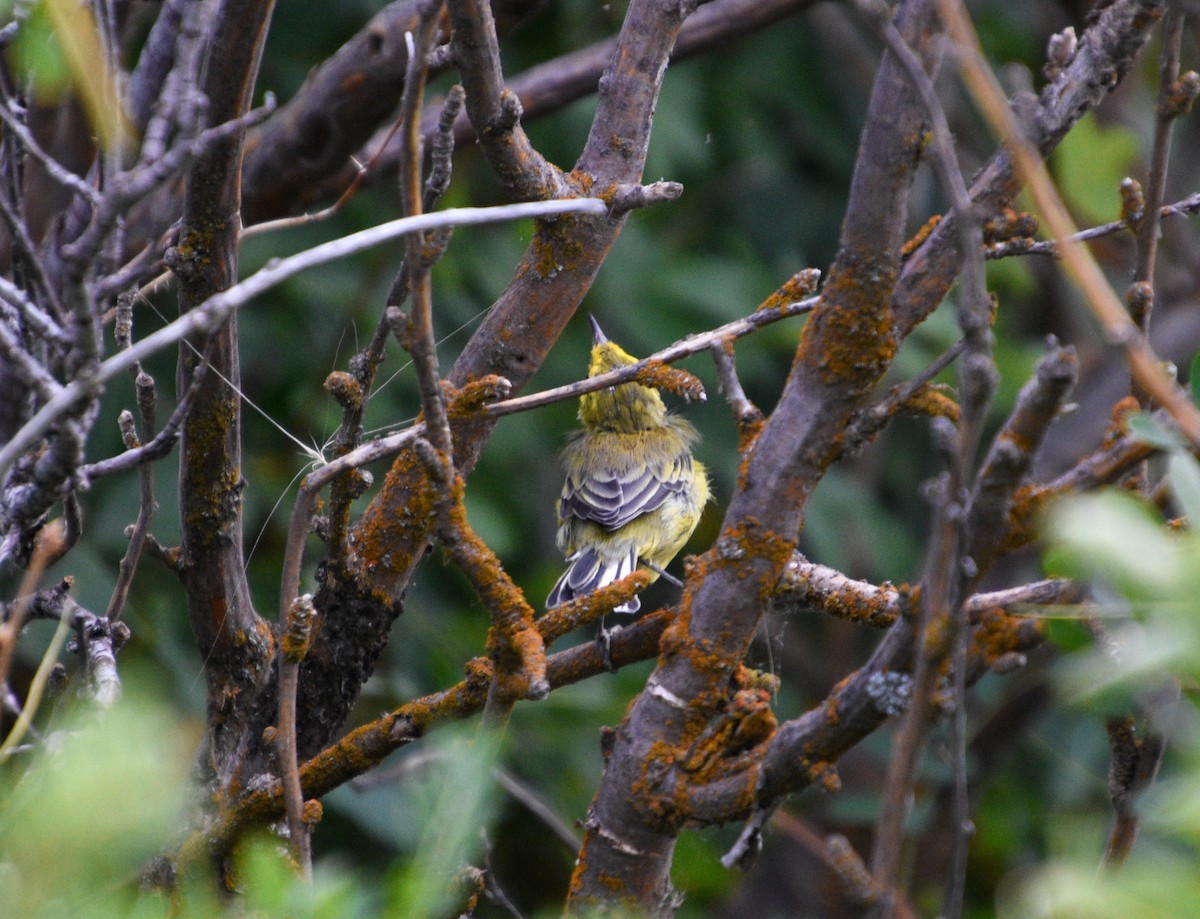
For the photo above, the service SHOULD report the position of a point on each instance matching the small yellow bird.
(633, 494)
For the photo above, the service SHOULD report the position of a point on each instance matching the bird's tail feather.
(588, 571)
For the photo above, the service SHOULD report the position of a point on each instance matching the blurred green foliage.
(1146, 661)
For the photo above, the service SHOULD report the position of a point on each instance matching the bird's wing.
(614, 499)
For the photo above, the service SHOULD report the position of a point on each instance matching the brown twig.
(867, 423)
(297, 620)
(1119, 329)
(1133, 768)
(494, 111)
(1169, 109)
(746, 415)
(421, 342)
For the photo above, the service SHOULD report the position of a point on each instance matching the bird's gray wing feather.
(614, 499)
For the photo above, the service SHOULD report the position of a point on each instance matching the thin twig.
(1156, 180)
(1185, 207)
(297, 621)
(943, 587)
(422, 344)
(216, 308)
(692, 345)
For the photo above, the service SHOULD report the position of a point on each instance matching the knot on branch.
(890, 691)
(629, 197)
(1179, 98)
(1140, 300)
(508, 117)
(467, 401)
(345, 389)
(297, 636)
(672, 379)
(1060, 50)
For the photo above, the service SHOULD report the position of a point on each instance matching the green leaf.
(1090, 164)
(1194, 378)
(1152, 432)
(92, 812)
(1183, 476)
(1114, 538)
(463, 802)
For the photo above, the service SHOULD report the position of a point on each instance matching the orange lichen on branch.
(1009, 225)
(825, 774)
(849, 337)
(1122, 410)
(513, 634)
(704, 658)
(467, 401)
(313, 812)
(556, 247)
(345, 389)
(298, 630)
(749, 539)
(797, 287)
(673, 379)
(577, 613)
(836, 595)
(933, 400)
(921, 235)
(998, 634)
(379, 534)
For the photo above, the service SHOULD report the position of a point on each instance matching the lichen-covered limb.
(1117, 456)
(517, 648)
(806, 585)
(1012, 453)
(235, 642)
(804, 750)
(330, 116)
(550, 86)
(494, 111)
(367, 746)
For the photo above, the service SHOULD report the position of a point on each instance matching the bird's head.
(627, 408)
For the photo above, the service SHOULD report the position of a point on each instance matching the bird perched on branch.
(633, 494)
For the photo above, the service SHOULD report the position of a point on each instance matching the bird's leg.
(662, 573)
(604, 639)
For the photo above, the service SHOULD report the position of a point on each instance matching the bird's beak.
(598, 336)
